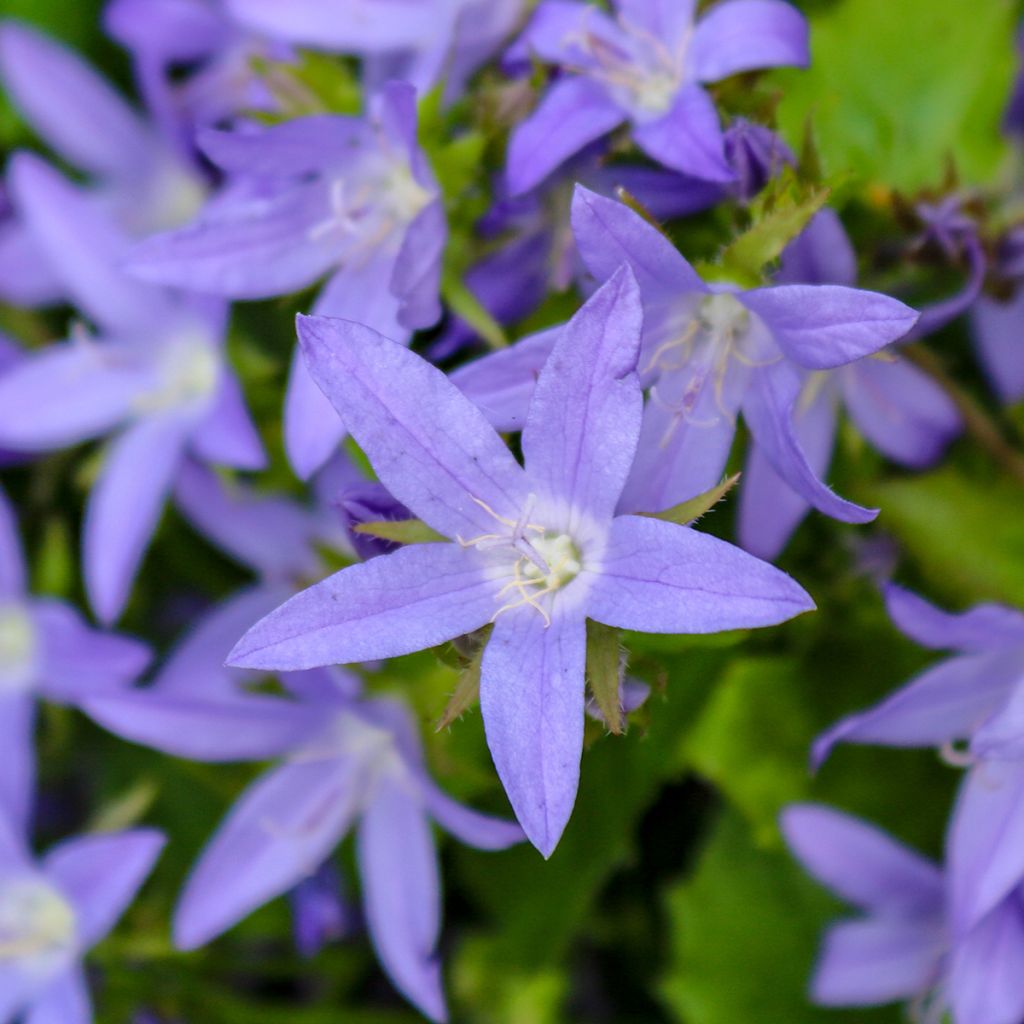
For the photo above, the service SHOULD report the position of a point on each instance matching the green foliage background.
(671, 898)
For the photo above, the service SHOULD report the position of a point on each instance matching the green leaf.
(751, 740)
(401, 531)
(744, 931)
(967, 536)
(687, 512)
(894, 89)
(604, 672)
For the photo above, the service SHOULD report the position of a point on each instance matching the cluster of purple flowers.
(237, 183)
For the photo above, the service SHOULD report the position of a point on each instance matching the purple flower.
(534, 551)
(319, 910)
(348, 197)
(343, 760)
(46, 650)
(419, 41)
(895, 950)
(647, 65)
(895, 406)
(972, 695)
(997, 337)
(52, 912)
(710, 351)
(156, 375)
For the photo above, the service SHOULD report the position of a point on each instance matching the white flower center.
(37, 926)
(561, 557)
(188, 374)
(18, 645)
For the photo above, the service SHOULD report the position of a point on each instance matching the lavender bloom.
(137, 174)
(320, 911)
(648, 66)
(54, 911)
(711, 351)
(896, 950)
(25, 278)
(418, 41)
(535, 551)
(349, 197)
(46, 650)
(343, 760)
(895, 406)
(156, 375)
(997, 337)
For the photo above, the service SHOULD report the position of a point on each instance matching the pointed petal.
(270, 533)
(482, 831)
(558, 28)
(214, 729)
(17, 761)
(12, 561)
(227, 435)
(124, 509)
(944, 703)
(984, 983)
(688, 138)
(868, 963)
(584, 421)
(85, 249)
(246, 247)
(900, 410)
(69, 105)
(66, 394)
(985, 627)
(312, 427)
(769, 408)
(823, 326)
(532, 699)
(431, 447)
(997, 336)
(821, 254)
(26, 278)
(416, 279)
(280, 831)
(402, 893)
(862, 864)
(608, 234)
(100, 875)
(573, 113)
(665, 20)
(64, 1001)
(657, 577)
(770, 510)
(501, 384)
(415, 598)
(986, 841)
(744, 35)
(78, 661)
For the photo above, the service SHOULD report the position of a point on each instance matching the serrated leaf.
(401, 531)
(687, 512)
(604, 673)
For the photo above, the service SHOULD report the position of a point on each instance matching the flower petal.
(482, 831)
(431, 447)
(12, 562)
(608, 234)
(744, 35)
(573, 113)
(869, 963)
(124, 508)
(769, 408)
(997, 336)
(584, 420)
(100, 875)
(668, 21)
(226, 435)
(402, 893)
(416, 279)
(862, 864)
(415, 598)
(282, 828)
(688, 138)
(944, 703)
(822, 326)
(69, 105)
(900, 410)
(657, 577)
(64, 1001)
(558, 33)
(17, 761)
(985, 627)
(532, 699)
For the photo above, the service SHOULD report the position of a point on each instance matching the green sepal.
(401, 531)
(463, 303)
(604, 673)
(467, 689)
(689, 511)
